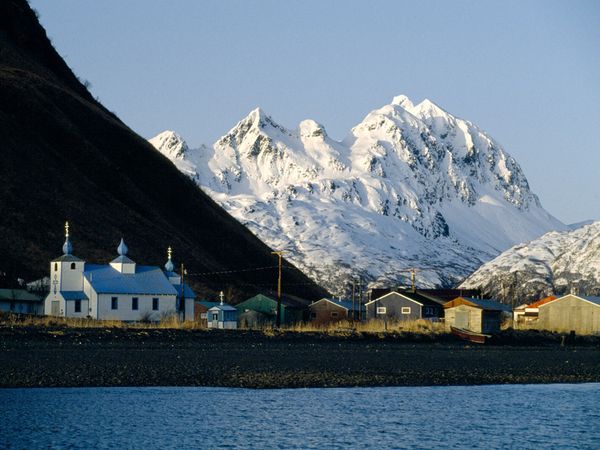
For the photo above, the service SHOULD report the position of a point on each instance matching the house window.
(203, 315)
(72, 266)
(77, 305)
(429, 310)
(114, 303)
(406, 310)
(154, 304)
(381, 310)
(335, 314)
(134, 303)
(313, 315)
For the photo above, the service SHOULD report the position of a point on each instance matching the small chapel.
(120, 290)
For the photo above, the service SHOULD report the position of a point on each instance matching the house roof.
(541, 302)
(595, 300)
(346, 304)
(206, 303)
(122, 259)
(487, 304)
(68, 258)
(223, 307)
(20, 295)
(74, 295)
(149, 280)
(591, 299)
(189, 293)
(417, 297)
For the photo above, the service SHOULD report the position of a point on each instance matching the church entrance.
(55, 308)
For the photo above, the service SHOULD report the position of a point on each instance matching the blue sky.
(527, 72)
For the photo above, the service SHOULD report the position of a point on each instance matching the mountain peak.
(309, 128)
(427, 108)
(170, 144)
(403, 101)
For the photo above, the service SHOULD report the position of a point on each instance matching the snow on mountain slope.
(410, 186)
(556, 263)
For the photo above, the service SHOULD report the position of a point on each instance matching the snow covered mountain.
(410, 186)
(556, 263)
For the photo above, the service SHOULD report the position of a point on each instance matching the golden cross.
(67, 229)
(169, 251)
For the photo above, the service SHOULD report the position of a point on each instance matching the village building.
(442, 295)
(201, 308)
(526, 315)
(570, 313)
(404, 305)
(20, 301)
(261, 310)
(476, 315)
(222, 316)
(120, 290)
(330, 310)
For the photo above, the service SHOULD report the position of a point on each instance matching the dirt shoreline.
(68, 357)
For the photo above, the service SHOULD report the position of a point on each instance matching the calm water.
(526, 416)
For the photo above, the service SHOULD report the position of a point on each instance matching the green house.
(262, 310)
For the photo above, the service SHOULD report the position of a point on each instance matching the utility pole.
(182, 304)
(278, 313)
(360, 293)
(353, 296)
(412, 279)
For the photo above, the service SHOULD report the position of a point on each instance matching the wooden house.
(20, 301)
(261, 310)
(571, 313)
(201, 308)
(404, 305)
(473, 314)
(329, 310)
(526, 315)
(222, 316)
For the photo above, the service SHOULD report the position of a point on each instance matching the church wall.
(71, 279)
(166, 304)
(70, 309)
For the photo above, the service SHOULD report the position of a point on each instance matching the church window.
(77, 305)
(114, 303)
(72, 266)
(155, 304)
(134, 303)
(55, 267)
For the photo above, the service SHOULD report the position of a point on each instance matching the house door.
(54, 308)
(461, 319)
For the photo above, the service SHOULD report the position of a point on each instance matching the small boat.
(471, 336)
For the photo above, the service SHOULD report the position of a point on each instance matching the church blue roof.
(149, 280)
(74, 295)
(188, 291)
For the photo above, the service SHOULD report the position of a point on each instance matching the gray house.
(20, 301)
(404, 305)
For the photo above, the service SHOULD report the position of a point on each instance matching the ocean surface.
(508, 416)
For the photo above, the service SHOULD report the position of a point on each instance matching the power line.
(249, 269)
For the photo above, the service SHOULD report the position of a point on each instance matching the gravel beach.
(31, 356)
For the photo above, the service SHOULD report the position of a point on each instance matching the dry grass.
(345, 327)
(166, 322)
(341, 328)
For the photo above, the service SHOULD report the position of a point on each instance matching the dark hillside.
(64, 156)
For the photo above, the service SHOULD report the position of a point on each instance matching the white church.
(121, 290)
